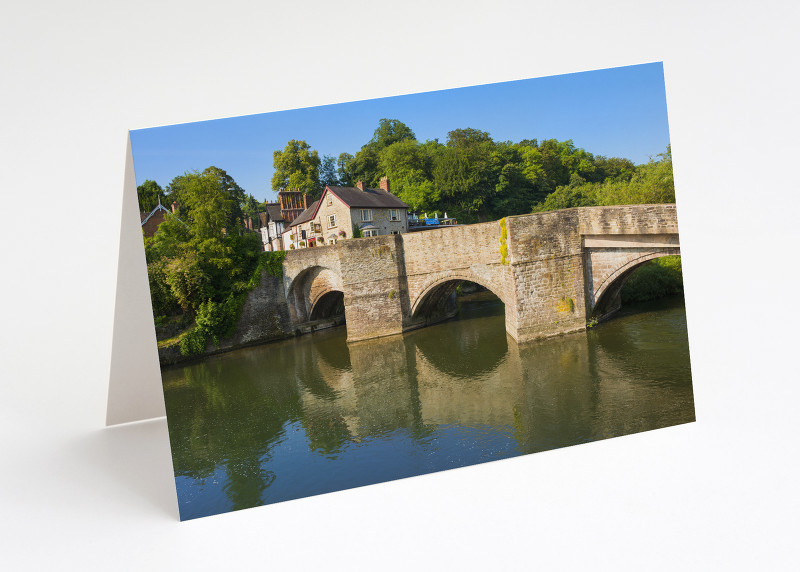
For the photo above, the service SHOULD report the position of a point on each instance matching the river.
(313, 414)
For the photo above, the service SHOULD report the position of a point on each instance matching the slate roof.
(274, 212)
(306, 215)
(368, 198)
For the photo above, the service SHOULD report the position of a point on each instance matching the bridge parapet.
(628, 219)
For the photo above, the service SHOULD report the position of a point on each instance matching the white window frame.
(371, 232)
(366, 215)
(332, 221)
(394, 214)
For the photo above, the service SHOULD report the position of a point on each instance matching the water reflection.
(314, 414)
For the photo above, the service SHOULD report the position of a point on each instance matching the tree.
(206, 201)
(651, 183)
(409, 167)
(390, 131)
(251, 208)
(149, 192)
(464, 179)
(327, 172)
(345, 176)
(220, 199)
(468, 137)
(365, 166)
(297, 169)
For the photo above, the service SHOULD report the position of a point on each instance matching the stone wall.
(264, 318)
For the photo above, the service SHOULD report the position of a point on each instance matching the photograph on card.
(359, 292)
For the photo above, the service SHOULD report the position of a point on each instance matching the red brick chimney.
(360, 185)
(385, 184)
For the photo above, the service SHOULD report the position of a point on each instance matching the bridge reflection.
(261, 421)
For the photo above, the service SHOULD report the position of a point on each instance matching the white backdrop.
(716, 494)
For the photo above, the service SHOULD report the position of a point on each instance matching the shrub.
(654, 279)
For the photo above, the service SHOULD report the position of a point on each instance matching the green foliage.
(343, 170)
(390, 131)
(169, 240)
(186, 280)
(149, 193)
(219, 319)
(465, 138)
(357, 232)
(269, 262)
(328, 174)
(197, 270)
(297, 169)
(272, 262)
(365, 165)
(476, 178)
(194, 342)
(655, 279)
(163, 300)
(209, 201)
(652, 183)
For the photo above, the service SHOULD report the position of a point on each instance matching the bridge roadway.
(554, 271)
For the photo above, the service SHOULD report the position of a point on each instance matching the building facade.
(272, 225)
(374, 212)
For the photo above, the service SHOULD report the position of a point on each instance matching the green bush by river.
(655, 279)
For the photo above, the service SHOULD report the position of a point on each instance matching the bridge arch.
(327, 304)
(435, 301)
(606, 292)
(309, 289)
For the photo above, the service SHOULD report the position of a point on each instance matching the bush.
(163, 300)
(654, 279)
(194, 342)
(213, 321)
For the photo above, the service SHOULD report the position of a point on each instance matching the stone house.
(332, 218)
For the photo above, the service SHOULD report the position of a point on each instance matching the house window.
(331, 221)
(372, 232)
(366, 215)
(317, 227)
(302, 234)
(394, 214)
(395, 232)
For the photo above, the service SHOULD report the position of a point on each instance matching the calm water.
(313, 414)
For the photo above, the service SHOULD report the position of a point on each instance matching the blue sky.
(618, 112)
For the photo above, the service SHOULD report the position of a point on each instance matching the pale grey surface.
(134, 387)
(717, 494)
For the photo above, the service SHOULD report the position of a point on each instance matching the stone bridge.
(554, 271)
